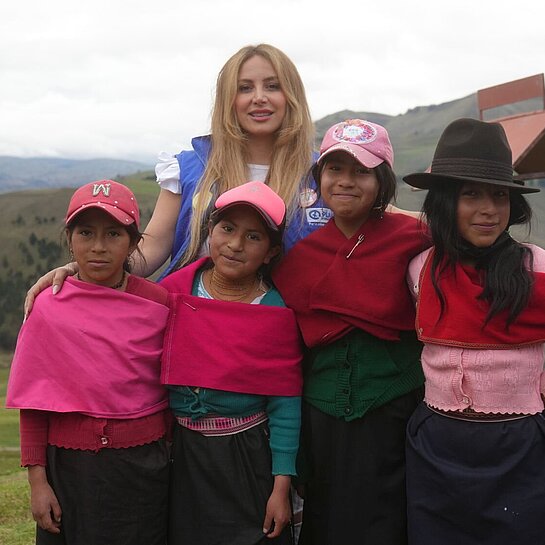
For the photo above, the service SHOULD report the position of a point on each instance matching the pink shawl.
(92, 350)
(236, 347)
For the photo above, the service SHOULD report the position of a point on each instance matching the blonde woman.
(261, 130)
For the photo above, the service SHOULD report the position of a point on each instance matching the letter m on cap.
(101, 188)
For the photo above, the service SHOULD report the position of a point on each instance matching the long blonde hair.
(227, 165)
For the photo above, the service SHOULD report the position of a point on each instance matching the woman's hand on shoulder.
(54, 278)
(278, 513)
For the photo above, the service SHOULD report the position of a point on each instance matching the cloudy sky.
(127, 79)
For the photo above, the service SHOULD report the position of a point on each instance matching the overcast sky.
(127, 79)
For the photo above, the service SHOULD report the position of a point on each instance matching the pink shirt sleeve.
(413, 272)
(539, 266)
(539, 257)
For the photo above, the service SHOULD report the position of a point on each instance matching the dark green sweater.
(360, 372)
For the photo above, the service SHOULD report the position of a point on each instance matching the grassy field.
(16, 524)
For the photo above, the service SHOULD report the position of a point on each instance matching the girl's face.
(349, 189)
(240, 243)
(260, 103)
(100, 246)
(482, 213)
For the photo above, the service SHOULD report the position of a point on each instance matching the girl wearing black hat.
(476, 446)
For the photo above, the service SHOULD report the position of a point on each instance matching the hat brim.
(113, 211)
(425, 180)
(364, 157)
(269, 222)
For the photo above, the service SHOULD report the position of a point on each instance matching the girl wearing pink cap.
(85, 376)
(232, 363)
(362, 376)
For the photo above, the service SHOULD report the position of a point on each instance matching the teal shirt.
(360, 372)
(284, 412)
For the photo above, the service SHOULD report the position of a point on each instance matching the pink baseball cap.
(367, 142)
(114, 198)
(259, 196)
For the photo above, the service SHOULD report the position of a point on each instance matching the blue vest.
(192, 165)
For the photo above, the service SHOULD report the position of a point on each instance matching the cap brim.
(116, 213)
(425, 180)
(366, 158)
(268, 220)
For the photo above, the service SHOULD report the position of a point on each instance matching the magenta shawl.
(92, 350)
(236, 347)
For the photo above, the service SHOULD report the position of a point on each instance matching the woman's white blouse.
(167, 171)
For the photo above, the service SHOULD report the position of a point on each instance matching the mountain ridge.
(19, 174)
(414, 135)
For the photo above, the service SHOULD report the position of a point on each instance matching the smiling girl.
(362, 375)
(85, 376)
(232, 363)
(475, 447)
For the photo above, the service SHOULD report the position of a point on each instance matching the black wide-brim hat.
(471, 151)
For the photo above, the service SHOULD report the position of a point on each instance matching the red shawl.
(236, 347)
(332, 294)
(462, 321)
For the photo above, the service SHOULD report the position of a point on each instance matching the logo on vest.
(318, 216)
(101, 188)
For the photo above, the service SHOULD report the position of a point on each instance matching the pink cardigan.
(490, 381)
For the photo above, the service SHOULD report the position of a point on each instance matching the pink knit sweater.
(489, 381)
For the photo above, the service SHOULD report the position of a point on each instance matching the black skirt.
(112, 497)
(356, 491)
(475, 483)
(220, 487)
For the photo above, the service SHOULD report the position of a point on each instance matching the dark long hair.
(507, 265)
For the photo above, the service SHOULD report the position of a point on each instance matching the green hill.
(414, 134)
(18, 174)
(32, 242)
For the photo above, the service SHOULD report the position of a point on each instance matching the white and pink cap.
(260, 197)
(114, 198)
(367, 142)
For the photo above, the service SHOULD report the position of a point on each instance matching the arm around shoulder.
(54, 278)
(159, 233)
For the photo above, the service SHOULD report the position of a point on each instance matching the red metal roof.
(526, 135)
(525, 131)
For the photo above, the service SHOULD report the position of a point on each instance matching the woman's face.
(483, 212)
(240, 243)
(349, 189)
(260, 104)
(100, 246)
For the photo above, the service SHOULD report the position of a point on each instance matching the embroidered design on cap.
(355, 132)
(104, 188)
